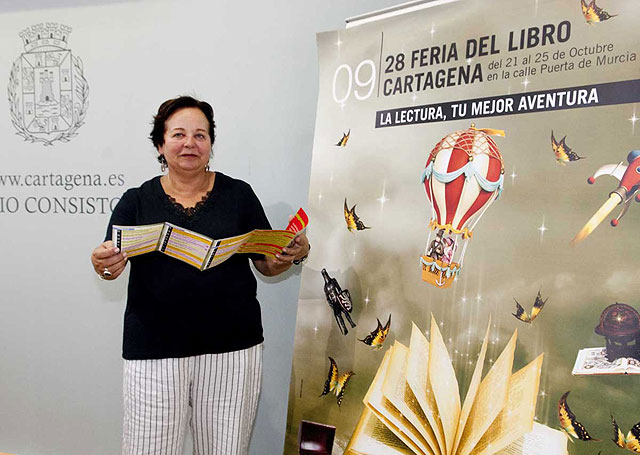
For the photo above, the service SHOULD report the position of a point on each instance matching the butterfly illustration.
(563, 152)
(568, 422)
(631, 442)
(336, 384)
(537, 308)
(353, 221)
(345, 137)
(593, 13)
(377, 337)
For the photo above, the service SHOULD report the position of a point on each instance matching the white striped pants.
(215, 394)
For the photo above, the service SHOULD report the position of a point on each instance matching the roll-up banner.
(473, 284)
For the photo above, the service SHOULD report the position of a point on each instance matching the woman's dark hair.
(167, 109)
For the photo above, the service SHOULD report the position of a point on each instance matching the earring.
(207, 167)
(163, 163)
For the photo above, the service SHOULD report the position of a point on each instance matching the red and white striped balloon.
(458, 202)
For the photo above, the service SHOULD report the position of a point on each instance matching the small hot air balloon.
(463, 176)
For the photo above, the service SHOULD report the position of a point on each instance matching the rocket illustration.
(629, 177)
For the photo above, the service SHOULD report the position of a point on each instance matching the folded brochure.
(199, 250)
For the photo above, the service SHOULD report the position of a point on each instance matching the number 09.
(359, 73)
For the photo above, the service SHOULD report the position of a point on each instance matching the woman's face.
(187, 144)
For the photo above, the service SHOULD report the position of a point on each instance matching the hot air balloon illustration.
(463, 176)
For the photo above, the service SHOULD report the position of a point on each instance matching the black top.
(174, 309)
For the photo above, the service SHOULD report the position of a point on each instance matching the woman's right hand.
(108, 261)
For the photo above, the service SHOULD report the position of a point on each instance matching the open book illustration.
(593, 361)
(199, 250)
(413, 405)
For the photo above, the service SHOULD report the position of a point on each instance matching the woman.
(192, 339)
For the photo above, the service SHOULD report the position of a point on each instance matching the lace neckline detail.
(189, 212)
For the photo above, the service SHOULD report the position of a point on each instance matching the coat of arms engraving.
(48, 93)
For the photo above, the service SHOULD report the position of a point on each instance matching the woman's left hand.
(296, 250)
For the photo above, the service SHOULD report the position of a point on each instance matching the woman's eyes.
(198, 136)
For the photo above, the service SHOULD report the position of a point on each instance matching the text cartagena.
(468, 72)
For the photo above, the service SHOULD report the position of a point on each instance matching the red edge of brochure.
(299, 221)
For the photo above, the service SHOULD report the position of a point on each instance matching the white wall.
(60, 339)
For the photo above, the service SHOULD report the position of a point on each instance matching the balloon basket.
(435, 272)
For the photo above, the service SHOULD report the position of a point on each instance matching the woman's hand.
(298, 249)
(108, 261)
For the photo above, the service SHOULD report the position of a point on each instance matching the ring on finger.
(106, 273)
